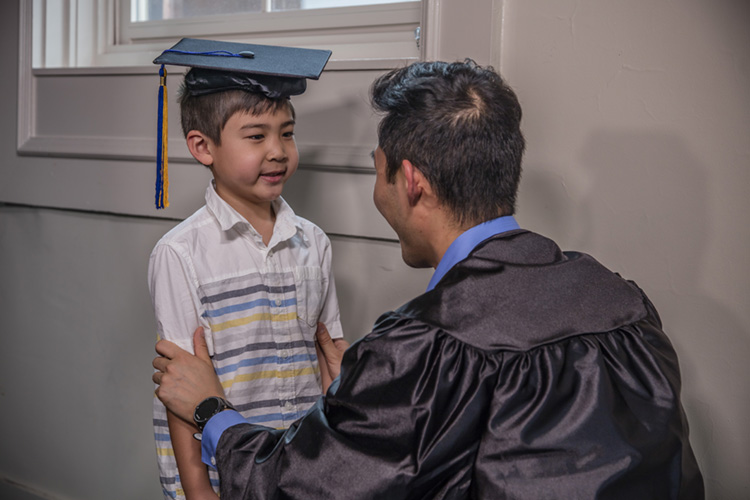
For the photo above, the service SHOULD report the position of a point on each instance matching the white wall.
(637, 117)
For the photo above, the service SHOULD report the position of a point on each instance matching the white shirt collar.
(286, 226)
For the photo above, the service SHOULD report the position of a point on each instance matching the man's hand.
(185, 380)
(330, 352)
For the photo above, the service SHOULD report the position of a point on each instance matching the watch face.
(206, 409)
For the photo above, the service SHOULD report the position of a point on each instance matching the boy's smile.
(257, 155)
(274, 176)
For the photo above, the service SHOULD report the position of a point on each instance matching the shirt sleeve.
(174, 295)
(213, 430)
(329, 314)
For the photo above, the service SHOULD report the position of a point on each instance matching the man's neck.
(442, 231)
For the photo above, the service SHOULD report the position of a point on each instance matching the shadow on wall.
(640, 202)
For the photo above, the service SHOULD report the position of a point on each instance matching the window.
(151, 10)
(96, 33)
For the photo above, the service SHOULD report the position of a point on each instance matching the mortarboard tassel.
(162, 160)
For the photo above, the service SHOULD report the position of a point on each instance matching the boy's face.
(256, 157)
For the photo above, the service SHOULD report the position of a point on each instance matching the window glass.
(322, 4)
(155, 10)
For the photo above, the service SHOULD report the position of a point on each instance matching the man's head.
(459, 125)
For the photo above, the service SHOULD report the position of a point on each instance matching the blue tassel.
(162, 159)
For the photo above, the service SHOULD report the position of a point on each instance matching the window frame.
(265, 23)
(98, 33)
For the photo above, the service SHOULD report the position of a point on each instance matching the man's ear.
(416, 183)
(199, 146)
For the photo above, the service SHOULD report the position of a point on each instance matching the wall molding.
(337, 156)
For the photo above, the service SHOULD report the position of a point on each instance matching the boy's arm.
(187, 452)
(174, 294)
(329, 313)
(176, 306)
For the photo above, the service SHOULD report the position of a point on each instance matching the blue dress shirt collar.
(468, 241)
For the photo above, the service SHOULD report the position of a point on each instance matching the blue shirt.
(468, 241)
(457, 251)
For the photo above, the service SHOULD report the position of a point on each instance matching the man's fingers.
(199, 344)
(322, 335)
(341, 344)
(332, 351)
(160, 363)
(166, 348)
(325, 374)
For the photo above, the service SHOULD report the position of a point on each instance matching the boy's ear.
(199, 146)
(416, 183)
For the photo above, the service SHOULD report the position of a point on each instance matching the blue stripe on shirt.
(265, 360)
(249, 305)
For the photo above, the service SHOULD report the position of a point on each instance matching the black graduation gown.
(527, 373)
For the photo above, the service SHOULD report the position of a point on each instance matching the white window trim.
(88, 33)
(81, 52)
(262, 23)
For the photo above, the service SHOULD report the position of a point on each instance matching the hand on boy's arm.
(184, 379)
(330, 352)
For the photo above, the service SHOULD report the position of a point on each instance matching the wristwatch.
(208, 408)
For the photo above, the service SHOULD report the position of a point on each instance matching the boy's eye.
(289, 133)
(256, 137)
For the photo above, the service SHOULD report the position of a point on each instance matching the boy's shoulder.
(310, 229)
(287, 217)
(186, 232)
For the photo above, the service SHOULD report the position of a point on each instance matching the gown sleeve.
(393, 427)
(417, 413)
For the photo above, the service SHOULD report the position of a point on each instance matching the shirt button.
(278, 302)
(213, 460)
(284, 354)
(288, 405)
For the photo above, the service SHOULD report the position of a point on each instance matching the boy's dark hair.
(209, 113)
(459, 124)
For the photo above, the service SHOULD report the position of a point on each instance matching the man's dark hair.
(209, 113)
(459, 124)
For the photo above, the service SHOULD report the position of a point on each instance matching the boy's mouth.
(274, 176)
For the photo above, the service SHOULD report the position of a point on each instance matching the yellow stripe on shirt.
(253, 318)
(247, 377)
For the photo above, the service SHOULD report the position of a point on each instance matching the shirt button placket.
(282, 335)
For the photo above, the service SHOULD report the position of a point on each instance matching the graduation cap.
(276, 72)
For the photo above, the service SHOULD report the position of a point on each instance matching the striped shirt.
(259, 306)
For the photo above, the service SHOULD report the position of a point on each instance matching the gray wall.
(637, 117)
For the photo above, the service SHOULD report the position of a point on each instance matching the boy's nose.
(276, 151)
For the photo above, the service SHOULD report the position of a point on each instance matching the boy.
(255, 276)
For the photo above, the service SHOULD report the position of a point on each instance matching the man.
(522, 373)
